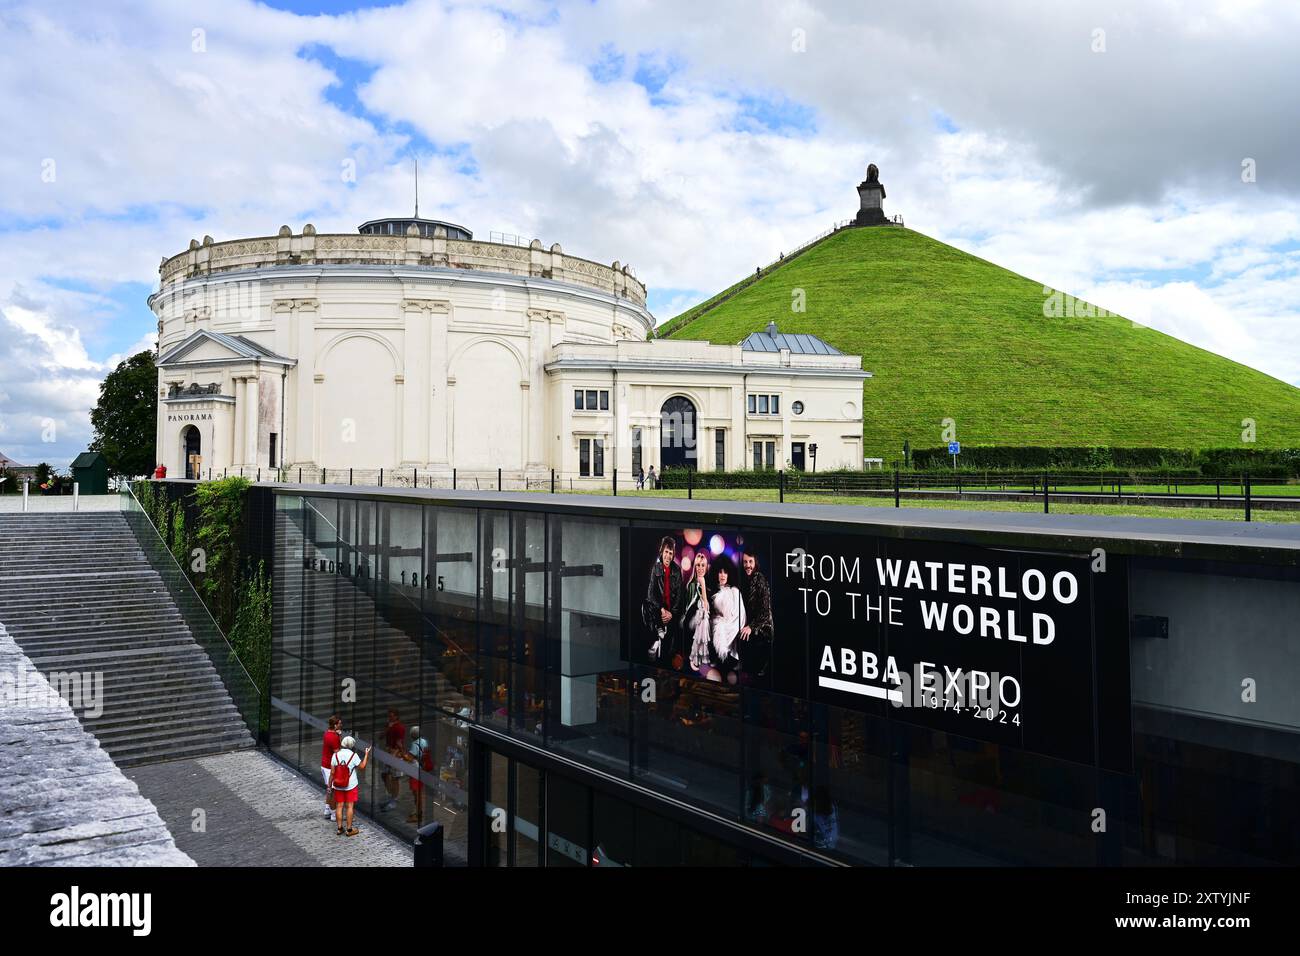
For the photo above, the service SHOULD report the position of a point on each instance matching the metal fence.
(1243, 492)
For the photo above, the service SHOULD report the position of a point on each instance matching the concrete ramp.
(63, 802)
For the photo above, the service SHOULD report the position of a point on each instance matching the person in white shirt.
(728, 619)
(418, 753)
(347, 761)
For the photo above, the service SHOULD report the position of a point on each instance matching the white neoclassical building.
(413, 347)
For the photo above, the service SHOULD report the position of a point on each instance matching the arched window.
(677, 433)
(192, 443)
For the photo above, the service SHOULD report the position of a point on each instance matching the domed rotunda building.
(413, 347)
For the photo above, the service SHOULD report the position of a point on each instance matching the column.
(400, 457)
(534, 420)
(161, 426)
(252, 419)
(437, 391)
(412, 394)
(237, 447)
(449, 404)
(305, 443)
(524, 389)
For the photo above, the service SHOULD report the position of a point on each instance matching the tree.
(126, 416)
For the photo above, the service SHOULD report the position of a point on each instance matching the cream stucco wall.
(716, 380)
(469, 365)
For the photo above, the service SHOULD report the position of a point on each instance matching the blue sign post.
(954, 449)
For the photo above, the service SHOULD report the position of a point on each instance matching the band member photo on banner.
(705, 605)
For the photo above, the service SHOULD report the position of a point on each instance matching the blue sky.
(692, 141)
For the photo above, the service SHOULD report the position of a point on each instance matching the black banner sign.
(990, 644)
(996, 645)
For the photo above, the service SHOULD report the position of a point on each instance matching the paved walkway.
(256, 812)
(51, 504)
(63, 802)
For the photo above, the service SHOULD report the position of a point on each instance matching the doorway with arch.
(677, 421)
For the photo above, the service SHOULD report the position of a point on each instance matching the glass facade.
(477, 624)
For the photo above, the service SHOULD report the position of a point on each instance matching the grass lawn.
(1140, 511)
(949, 335)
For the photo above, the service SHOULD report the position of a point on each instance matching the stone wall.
(308, 248)
(66, 802)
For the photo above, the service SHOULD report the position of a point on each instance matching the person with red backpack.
(344, 767)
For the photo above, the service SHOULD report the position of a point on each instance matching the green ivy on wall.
(218, 527)
(250, 634)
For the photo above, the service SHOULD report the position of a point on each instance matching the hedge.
(1209, 462)
(676, 478)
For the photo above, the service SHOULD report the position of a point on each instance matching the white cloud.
(47, 386)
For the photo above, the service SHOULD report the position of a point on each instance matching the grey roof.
(241, 346)
(797, 343)
(86, 459)
(1266, 541)
(4, 461)
(426, 225)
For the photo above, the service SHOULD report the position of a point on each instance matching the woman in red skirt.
(343, 776)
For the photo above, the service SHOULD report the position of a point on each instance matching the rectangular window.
(771, 455)
(604, 401)
(720, 449)
(758, 456)
(274, 436)
(577, 400)
(753, 401)
(591, 400)
(598, 457)
(776, 404)
(762, 404)
(584, 458)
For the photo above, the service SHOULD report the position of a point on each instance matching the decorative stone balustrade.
(286, 249)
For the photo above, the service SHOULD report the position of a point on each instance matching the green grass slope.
(948, 335)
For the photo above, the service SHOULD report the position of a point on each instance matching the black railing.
(1242, 492)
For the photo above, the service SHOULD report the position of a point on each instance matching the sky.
(1143, 157)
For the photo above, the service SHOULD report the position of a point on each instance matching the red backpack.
(342, 775)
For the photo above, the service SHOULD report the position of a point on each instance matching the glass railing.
(243, 690)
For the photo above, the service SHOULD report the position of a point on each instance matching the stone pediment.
(205, 347)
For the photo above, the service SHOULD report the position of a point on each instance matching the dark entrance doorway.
(677, 434)
(796, 456)
(193, 452)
